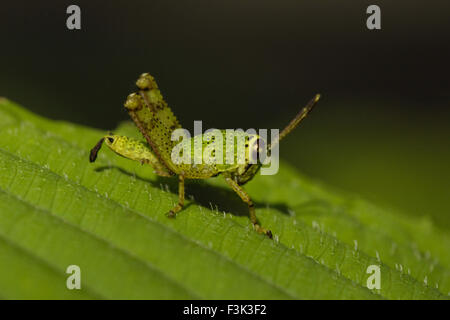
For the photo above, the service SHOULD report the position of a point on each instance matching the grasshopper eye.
(258, 147)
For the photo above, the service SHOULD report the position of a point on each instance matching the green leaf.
(57, 209)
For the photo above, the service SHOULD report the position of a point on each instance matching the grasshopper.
(156, 121)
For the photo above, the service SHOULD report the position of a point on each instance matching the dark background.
(381, 130)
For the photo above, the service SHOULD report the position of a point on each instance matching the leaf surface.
(57, 209)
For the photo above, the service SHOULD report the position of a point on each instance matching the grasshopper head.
(256, 146)
(254, 149)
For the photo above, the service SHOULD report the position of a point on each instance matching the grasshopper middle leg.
(172, 213)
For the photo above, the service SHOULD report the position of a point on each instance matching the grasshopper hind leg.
(251, 207)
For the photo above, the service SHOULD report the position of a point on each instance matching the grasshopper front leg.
(172, 213)
(251, 207)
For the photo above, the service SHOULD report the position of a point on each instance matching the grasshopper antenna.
(296, 121)
(94, 151)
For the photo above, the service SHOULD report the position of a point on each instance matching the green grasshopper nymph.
(156, 122)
